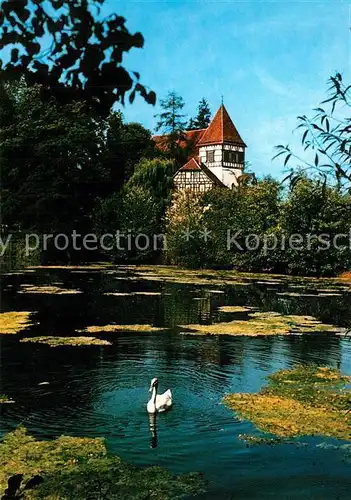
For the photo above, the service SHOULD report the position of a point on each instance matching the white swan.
(158, 402)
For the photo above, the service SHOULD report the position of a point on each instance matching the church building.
(218, 156)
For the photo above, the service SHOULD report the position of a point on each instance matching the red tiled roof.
(194, 164)
(221, 130)
(191, 137)
(191, 165)
(195, 135)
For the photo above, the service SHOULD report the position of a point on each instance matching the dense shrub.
(256, 228)
(135, 214)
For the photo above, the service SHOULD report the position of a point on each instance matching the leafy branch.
(327, 135)
(83, 59)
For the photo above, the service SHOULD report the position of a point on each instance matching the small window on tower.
(240, 157)
(209, 156)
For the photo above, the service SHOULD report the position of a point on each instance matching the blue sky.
(270, 60)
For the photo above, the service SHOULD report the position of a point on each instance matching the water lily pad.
(234, 309)
(5, 399)
(47, 289)
(267, 282)
(264, 323)
(301, 401)
(297, 294)
(14, 321)
(72, 466)
(121, 328)
(64, 341)
(330, 294)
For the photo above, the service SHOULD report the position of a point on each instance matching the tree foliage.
(126, 144)
(254, 228)
(328, 135)
(156, 175)
(172, 124)
(83, 60)
(203, 117)
(322, 216)
(184, 217)
(58, 160)
(51, 168)
(138, 208)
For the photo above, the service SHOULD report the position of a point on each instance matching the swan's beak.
(150, 390)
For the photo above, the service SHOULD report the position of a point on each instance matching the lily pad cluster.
(121, 328)
(64, 341)
(305, 400)
(261, 323)
(76, 468)
(14, 321)
(173, 274)
(47, 289)
(5, 399)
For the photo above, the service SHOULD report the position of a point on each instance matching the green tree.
(171, 122)
(156, 175)
(184, 219)
(51, 170)
(251, 209)
(217, 215)
(132, 215)
(171, 119)
(82, 58)
(139, 207)
(203, 117)
(328, 136)
(126, 144)
(317, 213)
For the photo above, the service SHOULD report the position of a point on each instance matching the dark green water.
(102, 391)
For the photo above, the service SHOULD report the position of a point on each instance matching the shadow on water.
(153, 430)
(103, 391)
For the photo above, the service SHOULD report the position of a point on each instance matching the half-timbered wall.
(228, 162)
(217, 150)
(193, 180)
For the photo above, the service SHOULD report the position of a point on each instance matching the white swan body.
(158, 402)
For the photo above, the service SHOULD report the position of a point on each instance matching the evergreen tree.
(191, 124)
(203, 117)
(171, 120)
(172, 123)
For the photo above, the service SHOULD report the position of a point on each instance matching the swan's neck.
(154, 394)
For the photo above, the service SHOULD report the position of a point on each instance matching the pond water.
(102, 391)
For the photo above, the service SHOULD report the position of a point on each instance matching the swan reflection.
(153, 430)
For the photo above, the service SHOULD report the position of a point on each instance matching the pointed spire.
(221, 130)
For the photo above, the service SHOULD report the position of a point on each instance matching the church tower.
(222, 149)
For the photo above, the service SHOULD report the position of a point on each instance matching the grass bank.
(81, 468)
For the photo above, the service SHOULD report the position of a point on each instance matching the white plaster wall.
(217, 155)
(230, 176)
(228, 173)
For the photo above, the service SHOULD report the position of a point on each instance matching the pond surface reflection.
(103, 391)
